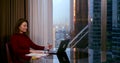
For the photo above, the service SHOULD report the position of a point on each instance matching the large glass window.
(61, 20)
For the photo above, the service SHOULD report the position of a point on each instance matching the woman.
(21, 43)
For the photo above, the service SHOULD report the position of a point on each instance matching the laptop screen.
(63, 45)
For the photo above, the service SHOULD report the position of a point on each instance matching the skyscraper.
(109, 31)
(104, 31)
(81, 15)
(81, 20)
(95, 30)
(116, 31)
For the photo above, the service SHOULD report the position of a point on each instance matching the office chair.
(9, 58)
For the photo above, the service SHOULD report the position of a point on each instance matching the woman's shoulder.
(14, 35)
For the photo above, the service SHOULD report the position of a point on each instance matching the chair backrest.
(8, 54)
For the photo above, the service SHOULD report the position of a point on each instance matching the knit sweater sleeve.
(34, 46)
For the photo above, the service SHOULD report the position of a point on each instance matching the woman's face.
(23, 27)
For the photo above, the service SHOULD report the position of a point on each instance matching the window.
(61, 20)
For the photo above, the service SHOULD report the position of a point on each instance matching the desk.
(69, 56)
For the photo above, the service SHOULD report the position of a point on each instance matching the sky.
(61, 12)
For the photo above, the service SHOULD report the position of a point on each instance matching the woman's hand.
(48, 47)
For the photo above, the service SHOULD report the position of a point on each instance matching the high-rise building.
(81, 12)
(80, 20)
(116, 31)
(109, 31)
(95, 30)
(104, 31)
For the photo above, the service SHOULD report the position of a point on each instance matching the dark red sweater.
(21, 44)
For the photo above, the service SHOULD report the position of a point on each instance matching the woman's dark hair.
(18, 23)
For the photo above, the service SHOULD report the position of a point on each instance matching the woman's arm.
(34, 46)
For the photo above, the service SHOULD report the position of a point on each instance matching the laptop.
(63, 58)
(62, 47)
